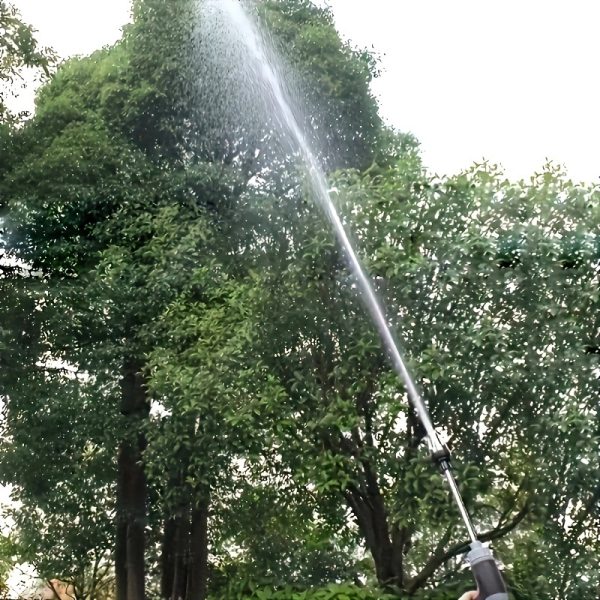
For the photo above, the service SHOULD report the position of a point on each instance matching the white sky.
(513, 81)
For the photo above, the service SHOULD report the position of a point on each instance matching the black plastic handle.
(490, 583)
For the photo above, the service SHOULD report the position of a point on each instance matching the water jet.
(259, 56)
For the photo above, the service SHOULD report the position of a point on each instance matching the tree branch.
(437, 560)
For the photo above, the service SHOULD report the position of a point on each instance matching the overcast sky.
(513, 81)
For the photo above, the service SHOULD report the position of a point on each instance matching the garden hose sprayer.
(490, 583)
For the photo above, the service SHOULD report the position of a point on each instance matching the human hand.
(469, 596)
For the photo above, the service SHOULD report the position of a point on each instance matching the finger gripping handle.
(490, 584)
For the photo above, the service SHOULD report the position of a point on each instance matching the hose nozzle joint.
(441, 456)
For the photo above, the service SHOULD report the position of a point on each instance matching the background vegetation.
(194, 402)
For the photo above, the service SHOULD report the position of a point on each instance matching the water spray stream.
(489, 580)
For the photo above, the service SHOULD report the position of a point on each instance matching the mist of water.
(265, 70)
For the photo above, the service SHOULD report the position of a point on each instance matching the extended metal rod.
(447, 471)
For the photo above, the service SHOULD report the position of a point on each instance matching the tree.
(108, 179)
(63, 524)
(499, 336)
(341, 426)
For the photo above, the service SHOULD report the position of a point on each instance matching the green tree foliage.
(334, 82)
(503, 348)
(117, 222)
(489, 342)
(247, 591)
(18, 50)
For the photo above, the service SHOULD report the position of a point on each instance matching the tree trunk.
(371, 515)
(167, 557)
(131, 489)
(136, 538)
(198, 556)
(121, 533)
(180, 559)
